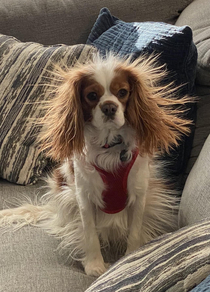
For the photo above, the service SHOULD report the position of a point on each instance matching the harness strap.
(115, 194)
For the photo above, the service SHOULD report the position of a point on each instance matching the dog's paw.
(95, 268)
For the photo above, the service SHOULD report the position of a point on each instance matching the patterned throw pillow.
(24, 84)
(176, 50)
(175, 262)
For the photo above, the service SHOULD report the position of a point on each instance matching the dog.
(107, 124)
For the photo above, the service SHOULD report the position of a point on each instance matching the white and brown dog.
(109, 119)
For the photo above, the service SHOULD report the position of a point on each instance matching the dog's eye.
(92, 96)
(122, 93)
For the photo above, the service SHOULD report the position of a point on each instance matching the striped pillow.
(24, 68)
(175, 262)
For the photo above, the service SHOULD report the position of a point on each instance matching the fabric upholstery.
(12, 194)
(29, 262)
(133, 39)
(174, 262)
(202, 125)
(70, 21)
(195, 201)
(25, 83)
(197, 17)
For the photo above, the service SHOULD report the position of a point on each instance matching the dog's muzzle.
(109, 109)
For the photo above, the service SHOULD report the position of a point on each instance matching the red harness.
(115, 195)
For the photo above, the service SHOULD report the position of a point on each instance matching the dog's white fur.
(72, 210)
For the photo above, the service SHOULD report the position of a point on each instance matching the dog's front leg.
(138, 181)
(136, 213)
(93, 263)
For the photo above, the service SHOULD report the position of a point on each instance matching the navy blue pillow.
(177, 51)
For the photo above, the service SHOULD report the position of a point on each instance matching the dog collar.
(115, 194)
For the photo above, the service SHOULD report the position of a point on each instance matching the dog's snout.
(109, 109)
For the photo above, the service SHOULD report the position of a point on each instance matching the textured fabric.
(202, 126)
(177, 51)
(12, 194)
(175, 262)
(29, 262)
(70, 21)
(25, 82)
(195, 202)
(174, 44)
(204, 286)
(197, 17)
(115, 194)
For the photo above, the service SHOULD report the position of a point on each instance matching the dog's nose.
(109, 109)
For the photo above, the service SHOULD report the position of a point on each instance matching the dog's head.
(110, 93)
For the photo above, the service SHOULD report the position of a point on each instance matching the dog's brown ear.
(63, 124)
(151, 112)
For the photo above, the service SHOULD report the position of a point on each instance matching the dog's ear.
(152, 109)
(63, 124)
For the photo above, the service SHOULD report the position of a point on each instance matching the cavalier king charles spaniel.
(107, 124)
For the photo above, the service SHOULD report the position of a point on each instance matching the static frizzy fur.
(148, 116)
(151, 109)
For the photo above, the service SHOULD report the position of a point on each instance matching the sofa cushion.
(25, 83)
(195, 202)
(30, 262)
(202, 126)
(176, 49)
(12, 194)
(70, 21)
(196, 15)
(174, 262)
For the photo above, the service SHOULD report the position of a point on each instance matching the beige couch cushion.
(195, 202)
(70, 21)
(197, 16)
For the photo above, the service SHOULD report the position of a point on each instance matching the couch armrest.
(195, 201)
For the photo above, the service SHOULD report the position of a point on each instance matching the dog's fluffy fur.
(96, 104)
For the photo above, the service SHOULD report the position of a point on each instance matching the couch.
(178, 261)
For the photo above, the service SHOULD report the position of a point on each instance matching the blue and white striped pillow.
(174, 262)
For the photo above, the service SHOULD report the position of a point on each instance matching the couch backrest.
(70, 21)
